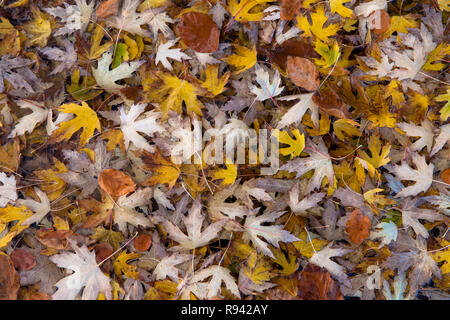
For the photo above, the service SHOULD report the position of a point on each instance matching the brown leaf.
(107, 8)
(379, 22)
(289, 8)
(199, 32)
(39, 296)
(358, 227)
(445, 176)
(329, 102)
(316, 284)
(54, 239)
(142, 242)
(294, 48)
(115, 182)
(303, 73)
(9, 279)
(103, 251)
(23, 259)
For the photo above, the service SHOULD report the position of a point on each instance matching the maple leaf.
(166, 267)
(382, 69)
(195, 237)
(29, 122)
(322, 259)
(164, 171)
(74, 17)
(218, 275)
(295, 113)
(272, 234)
(411, 215)
(243, 58)
(227, 175)
(300, 207)
(130, 126)
(401, 24)
(296, 145)
(15, 71)
(85, 119)
(212, 82)
(120, 265)
(379, 155)
(68, 58)
(131, 21)
(319, 161)
(175, 91)
(400, 284)
(124, 211)
(244, 11)
(337, 6)
(165, 52)
(107, 78)
(86, 274)
(39, 29)
(387, 231)
(442, 139)
(8, 189)
(316, 27)
(40, 209)
(424, 131)
(219, 208)
(443, 255)
(267, 89)
(423, 176)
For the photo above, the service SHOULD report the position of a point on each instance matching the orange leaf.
(115, 182)
(358, 227)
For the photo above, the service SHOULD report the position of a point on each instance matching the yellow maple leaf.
(247, 10)
(373, 198)
(120, 265)
(163, 170)
(296, 145)
(306, 246)
(443, 255)
(85, 119)
(329, 54)
(337, 6)
(12, 214)
(228, 175)
(97, 49)
(379, 156)
(360, 167)
(243, 58)
(346, 128)
(212, 82)
(324, 125)
(288, 267)
(316, 27)
(438, 54)
(445, 111)
(394, 92)
(53, 184)
(400, 24)
(257, 268)
(115, 138)
(39, 29)
(174, 92)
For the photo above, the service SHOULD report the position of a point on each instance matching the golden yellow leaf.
(39, 29)
(53, 184)
(163, 170)
(307, 247)
(337, 6)
(212, 82)
(247, 10)
(345, 129)
(296, 145)
(85, 119)
(257, 268)
(379, 155)
(120, 265)
(115, 138)
(288, 267)
(243, 58)
(400, 24)
(316, 27)
(443, 255)
(228, 175)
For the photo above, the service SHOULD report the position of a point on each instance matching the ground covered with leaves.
(99, 198)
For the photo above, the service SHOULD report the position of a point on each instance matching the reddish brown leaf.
(54, 239)
(142, 242)
(39, 296)
(115, 182)
(303, 73)
(329, 102)
(199, 32)
(358, 227)
(9, 279)
(103, 251)
(379, 22)
(445, 176)
(294, 48)
(23, 260)
(107, 8)
(289, 8)
(316, 284)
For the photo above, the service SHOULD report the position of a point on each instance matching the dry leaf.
(115, 182)
(358, 227)
(199, 32)
(303, 73)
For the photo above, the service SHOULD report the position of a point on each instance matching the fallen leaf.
(115, 182)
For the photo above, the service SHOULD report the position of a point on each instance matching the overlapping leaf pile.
(99, 98)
